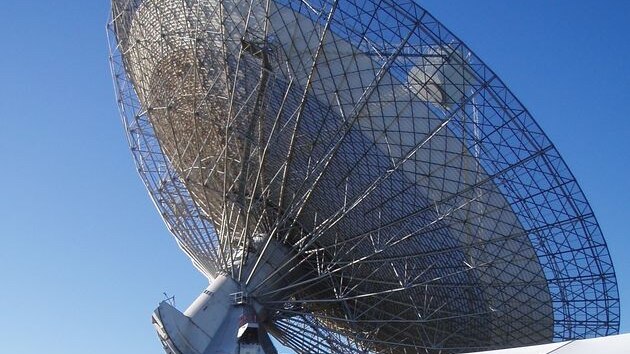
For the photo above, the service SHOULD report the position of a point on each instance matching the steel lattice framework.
(420, 205)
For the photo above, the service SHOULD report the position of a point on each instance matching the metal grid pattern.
(419, 205)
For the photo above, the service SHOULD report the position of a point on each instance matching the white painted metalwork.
(360, 177)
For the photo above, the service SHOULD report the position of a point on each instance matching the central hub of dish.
(225, 318)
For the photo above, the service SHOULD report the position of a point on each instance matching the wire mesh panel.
(369, 181)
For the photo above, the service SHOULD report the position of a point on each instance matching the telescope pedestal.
(218, 321)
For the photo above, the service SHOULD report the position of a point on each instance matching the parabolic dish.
(364, 176)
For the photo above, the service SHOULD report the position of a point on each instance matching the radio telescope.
(351, 178)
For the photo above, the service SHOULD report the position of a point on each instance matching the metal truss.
(421, 207)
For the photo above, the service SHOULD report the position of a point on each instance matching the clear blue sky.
(84, 257)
